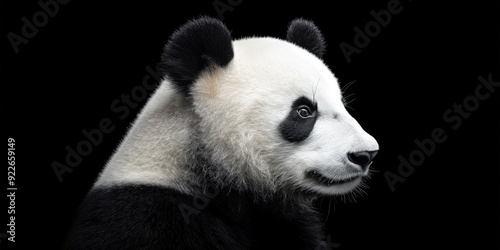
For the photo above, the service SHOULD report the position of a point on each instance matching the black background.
(427, 58)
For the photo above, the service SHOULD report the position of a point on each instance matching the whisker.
(346, 97)
(348, 100)
(347, 85)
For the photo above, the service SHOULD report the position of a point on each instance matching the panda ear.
(197, 45)
(306, 34)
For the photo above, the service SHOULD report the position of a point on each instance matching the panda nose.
(362, 158)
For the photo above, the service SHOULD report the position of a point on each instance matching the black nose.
(362, 158)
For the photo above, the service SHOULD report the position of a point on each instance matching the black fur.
(295, 128)
(148, 217)
(194, 47)
(306, 34)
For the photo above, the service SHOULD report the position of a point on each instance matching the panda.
(238, 140)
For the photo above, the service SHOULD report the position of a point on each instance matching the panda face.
(274, 117)
(269, 113)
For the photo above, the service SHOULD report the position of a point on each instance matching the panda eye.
(304, 111)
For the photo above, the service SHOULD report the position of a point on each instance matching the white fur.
(157, 146)
(237, 111)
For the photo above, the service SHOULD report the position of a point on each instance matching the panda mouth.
(323, 180)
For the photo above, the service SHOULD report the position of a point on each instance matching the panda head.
(270, 114)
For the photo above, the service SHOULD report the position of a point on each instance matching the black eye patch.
(297, 126)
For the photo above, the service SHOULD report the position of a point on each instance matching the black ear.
(306, 34)
(195, 46)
